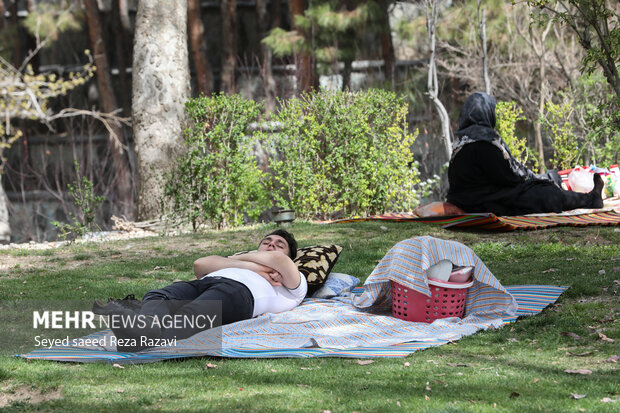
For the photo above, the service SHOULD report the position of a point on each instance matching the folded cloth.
(336, 284)
(406, 263)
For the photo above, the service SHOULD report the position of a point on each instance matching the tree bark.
(276, 13)
(18, 50)
(432, 84)
(387, 46)
(204, 76)
(5, 229)
(482, 33)
(122, 172)
(2, 14)
(160, 89)
(229, 45)
(122, 38)
(303, 60)
(269, 83)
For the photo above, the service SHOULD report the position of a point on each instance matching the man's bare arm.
(212, 263)
(280, 262)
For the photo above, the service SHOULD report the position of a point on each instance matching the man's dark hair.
(290, 240)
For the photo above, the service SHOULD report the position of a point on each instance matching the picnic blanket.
(355, 324)
(490, 221)
(531, 299)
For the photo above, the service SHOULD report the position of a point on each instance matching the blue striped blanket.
(355, 324)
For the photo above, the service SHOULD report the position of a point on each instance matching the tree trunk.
(5, 229)
(387, 46)
(266, 68)
(432, 84)
(229, 45)
(122, 173)
(2, 18)
(160, 89)
(482, 32)
(18, 50)
(198, 43)
(303, 60)
(122, 38)
(276, 13)
(541, 110)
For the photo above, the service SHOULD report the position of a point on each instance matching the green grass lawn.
(521, 367)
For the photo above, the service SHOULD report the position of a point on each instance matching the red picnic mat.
(490, 221)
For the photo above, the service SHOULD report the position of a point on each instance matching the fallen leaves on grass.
(570, 334)
(608, 400)
(578, 371)
(587, 353)
(602, 272)
(612, 359)
(118, 366)
(364, 362)
(210, 366)
(605, 338)
(407, 364)
(459, 365)
(550, 270)
(577, 396)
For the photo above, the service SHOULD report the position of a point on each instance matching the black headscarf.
(477, 123)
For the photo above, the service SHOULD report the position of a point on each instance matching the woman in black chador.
(485, 177)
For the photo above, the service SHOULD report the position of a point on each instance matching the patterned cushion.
(315, 263)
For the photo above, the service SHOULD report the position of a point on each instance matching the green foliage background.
(333, 154)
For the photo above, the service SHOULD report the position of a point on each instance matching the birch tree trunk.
(482, 33)
(432, 84)
(5, 229)
(160, 89)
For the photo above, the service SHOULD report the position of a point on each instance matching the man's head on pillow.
(279, 240)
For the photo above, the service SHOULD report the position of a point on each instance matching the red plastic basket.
(447, 300)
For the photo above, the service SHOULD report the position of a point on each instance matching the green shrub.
(217, 181)
(342, 153)
(564, 142)
(508, 114)
(595, 119)
(86, 204)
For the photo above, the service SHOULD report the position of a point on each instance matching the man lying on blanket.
(227, 289)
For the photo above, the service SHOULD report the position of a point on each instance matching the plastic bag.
(581, 179)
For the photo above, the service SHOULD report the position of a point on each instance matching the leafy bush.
(561, 133)
(508, 114)
(594, 119)
(86, 204)
(218, 179)
(342, 153)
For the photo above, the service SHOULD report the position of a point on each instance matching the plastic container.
(447, 300)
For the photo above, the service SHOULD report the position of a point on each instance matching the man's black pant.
(222, 300)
